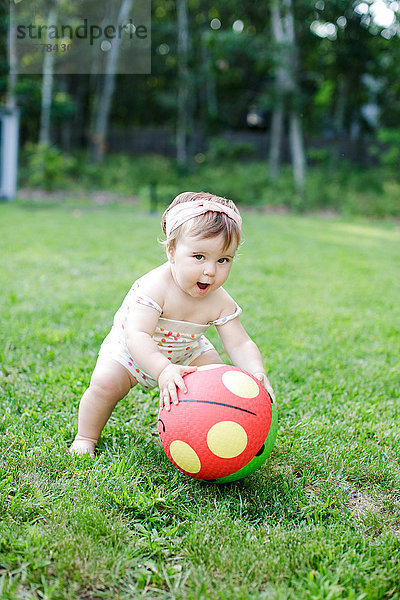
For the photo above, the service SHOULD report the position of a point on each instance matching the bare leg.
(211, 357)
(110, 383)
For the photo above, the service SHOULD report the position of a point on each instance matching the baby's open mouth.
(203, 286)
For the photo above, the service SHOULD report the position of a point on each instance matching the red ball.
(220, 425)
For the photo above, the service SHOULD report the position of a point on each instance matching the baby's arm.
(139, 339)
(243, 352)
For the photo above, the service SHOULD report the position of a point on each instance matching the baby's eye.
(223, 260)
(198, 256)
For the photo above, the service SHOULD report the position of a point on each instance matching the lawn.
(321, 518)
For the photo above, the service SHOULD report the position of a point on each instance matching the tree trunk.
(297, 151)
(47, 86)
(99, 134)
(281, 89)
(208, 80)
(11, 101)
(79, 127)
(66, 125)
(275, 140)
(286, 89)
(183, 85)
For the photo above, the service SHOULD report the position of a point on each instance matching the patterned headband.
(184, 211)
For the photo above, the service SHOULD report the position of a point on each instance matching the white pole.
(9, 154)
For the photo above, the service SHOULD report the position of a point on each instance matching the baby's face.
(200, 265)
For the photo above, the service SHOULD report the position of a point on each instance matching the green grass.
(321, 519)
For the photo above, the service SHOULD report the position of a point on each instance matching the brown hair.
(209, 224)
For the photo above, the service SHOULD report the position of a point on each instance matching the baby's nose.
(209, 269)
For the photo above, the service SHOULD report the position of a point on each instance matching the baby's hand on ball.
(265, 381)
(169, 379)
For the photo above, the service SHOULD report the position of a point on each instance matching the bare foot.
(81, 445)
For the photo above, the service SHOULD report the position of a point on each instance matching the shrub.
(47, 166)
(390, 156)
(347, 189)
(221, 149)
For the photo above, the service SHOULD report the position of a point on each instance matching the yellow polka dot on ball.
(185, 457)
(240, 384)
(227, 439)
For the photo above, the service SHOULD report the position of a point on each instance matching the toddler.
(158, 332)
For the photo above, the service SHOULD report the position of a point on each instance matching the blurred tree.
(286, 91)
(103, 105)
(351, 61)
(343, 61)
(182, 122)
(342, 57)
(47, 81)
(11, 100)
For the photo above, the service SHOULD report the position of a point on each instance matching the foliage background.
(320, 291)
(344, 90)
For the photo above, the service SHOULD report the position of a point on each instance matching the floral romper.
(180, 341)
